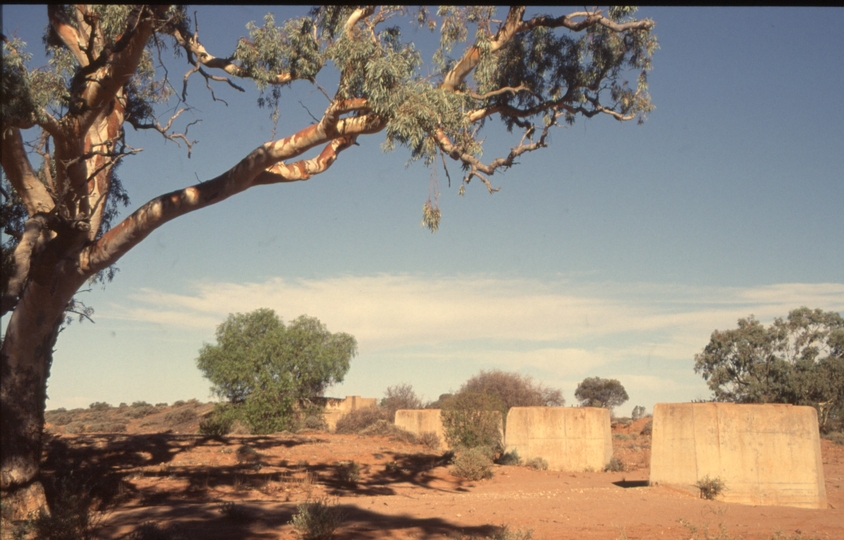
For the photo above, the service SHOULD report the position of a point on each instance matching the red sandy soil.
(180, 482)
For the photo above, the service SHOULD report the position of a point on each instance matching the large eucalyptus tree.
(61, 195)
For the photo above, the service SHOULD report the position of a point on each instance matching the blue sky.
(615, 252)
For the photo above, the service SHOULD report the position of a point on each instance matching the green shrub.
(710, 488)
(537, 463)
(316, 520)
(360, 419)
(647, 428)
(472, 464)
(220, 421)
(247, 454)
(472, 419)
(509, 458)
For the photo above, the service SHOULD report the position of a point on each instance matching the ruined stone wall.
(418, 421)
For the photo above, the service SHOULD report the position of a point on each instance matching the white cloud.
(557, 325)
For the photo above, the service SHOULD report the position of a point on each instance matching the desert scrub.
(472, 464)
(710, 488)
(360, 419)
(537, 463)
(615, 465)
(348, 472)
(429, 440)
(316, 520)
(509, 458)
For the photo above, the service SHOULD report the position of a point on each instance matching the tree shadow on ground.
(191, 521)
(104, 466)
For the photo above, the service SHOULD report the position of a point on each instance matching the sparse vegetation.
(429, 440)
(509, 458)
(360, 419)
(538, 463)
(400, 396)
(472, 464)
(316, 520)
(615, 465)
(348, 472)
(638, 412)
(219, 422)
(472, 419)
(710, 488)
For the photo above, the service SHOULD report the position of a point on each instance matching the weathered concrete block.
(337, 408)
(418, 421)
(764, 454)
(569, 439)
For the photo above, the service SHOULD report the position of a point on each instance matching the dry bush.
(429, 440)
(385, 428)
(316, 520)
(400, 396)
(360, 419)
(509, 458)
(514, 390)
(348, 472)
(537, 463)
(615, 465)
(710, 488)
(180, 416)
(58, 417)
(106, 427)
(472, 464)
(75, 427)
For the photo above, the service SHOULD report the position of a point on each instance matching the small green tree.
(638, 412)
(266, 370)
(598, 392)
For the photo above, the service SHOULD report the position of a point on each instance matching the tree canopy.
(598, 392)
(270, 368)
(64, 133)
(797, 360)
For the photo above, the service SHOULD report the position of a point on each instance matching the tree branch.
(67, 33)
(22, 176)
(263, 165)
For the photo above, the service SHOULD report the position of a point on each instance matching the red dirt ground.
(406, 492)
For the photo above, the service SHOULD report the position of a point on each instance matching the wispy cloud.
(585, 323)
